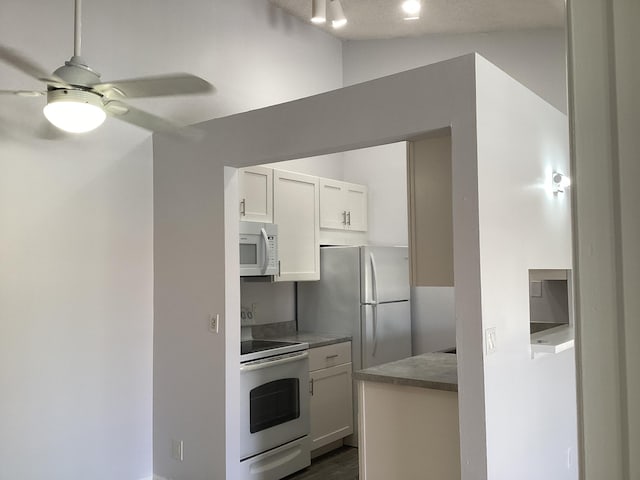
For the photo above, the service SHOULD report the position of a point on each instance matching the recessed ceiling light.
(411, 8)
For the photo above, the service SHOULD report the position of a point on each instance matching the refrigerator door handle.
(374, 321)
(374, 279)
(374, 302)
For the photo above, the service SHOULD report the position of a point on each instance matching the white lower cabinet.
(331, 394)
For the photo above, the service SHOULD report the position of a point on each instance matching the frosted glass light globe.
(74, 111)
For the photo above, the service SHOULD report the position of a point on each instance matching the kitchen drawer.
(329, 356)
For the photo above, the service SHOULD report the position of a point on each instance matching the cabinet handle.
(279, 268)
(311, 386)
(329, 357)
(243, 207)
(348, 218)
(344, 217)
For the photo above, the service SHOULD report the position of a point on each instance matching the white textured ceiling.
(369, 19)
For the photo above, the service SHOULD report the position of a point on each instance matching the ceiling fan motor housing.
(77, 72)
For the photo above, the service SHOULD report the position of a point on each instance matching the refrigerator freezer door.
(385, 274)
(386, 333)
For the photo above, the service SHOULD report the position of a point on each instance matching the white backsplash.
(263, 302)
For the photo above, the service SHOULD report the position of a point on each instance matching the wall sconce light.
(319, 11)
(559, 182)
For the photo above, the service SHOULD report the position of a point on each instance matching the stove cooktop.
(256, 349)
(252, 346)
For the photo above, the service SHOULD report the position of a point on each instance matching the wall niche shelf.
(550, 311)
(553, 340)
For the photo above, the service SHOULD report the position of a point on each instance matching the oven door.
(274, 402)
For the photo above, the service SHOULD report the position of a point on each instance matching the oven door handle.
(272, 363)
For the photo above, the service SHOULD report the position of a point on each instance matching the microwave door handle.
(265, 239)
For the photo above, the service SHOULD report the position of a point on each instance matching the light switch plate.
(177, 450)
(214, 322)
(490, 340)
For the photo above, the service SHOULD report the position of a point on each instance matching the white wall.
(604, 72)
(329, 166)
(76, 312)
(530, 403)
(384, 170)
(536, 58)
(336, 121)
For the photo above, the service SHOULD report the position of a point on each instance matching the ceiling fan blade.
(22, 93)
(140, 118)
(172, 84)
(29, 67)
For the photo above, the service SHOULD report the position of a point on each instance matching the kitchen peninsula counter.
(408, 418)
(437, 371)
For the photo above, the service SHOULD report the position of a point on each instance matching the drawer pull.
(329, 357)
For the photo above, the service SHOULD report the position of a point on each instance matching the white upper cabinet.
(296, 211)
(333, 213)
(256, 194)
(343, 206)
(356, 202)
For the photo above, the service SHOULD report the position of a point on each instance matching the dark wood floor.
(340, 464)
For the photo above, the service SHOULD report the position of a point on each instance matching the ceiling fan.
(77, 101)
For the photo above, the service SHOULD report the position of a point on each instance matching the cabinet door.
(333, 211)
(356, 206)
(331, 405)
(296, 212)
(256, 194)
(431, 212)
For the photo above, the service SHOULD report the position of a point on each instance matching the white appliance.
(274, 406)
(258, 249)
(363, 292)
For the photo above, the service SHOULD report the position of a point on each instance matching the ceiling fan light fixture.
(338, 20)
(319, 11)
(74, 111)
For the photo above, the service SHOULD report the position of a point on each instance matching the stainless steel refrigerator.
(363, 292)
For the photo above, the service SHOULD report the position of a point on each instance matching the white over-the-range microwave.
(258, 249)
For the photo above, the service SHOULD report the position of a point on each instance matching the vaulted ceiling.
(371, 19)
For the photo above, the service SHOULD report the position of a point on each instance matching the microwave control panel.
(273, 253)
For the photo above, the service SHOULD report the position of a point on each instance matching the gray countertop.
(437, 371)
(315, 339)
